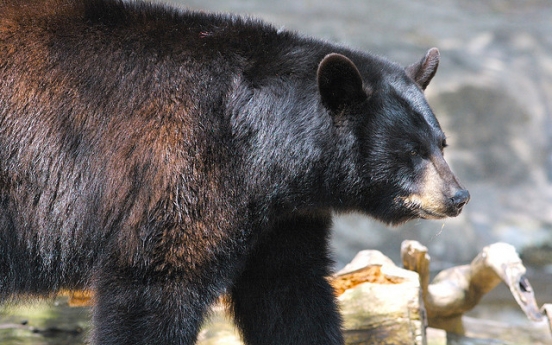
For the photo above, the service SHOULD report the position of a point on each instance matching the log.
(382, 303)
(459, 289)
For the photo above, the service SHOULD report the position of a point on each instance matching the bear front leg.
(133, 308)
(283, 296)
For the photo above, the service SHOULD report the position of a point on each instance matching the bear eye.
(414, 153)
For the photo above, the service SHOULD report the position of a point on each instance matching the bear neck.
(294, 157)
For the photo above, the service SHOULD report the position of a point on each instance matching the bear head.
(402, 173)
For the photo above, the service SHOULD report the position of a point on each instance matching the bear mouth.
(425, 210)
(430, 214)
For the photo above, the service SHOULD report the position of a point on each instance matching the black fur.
(162, 158)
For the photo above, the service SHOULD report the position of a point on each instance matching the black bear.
(162, 158)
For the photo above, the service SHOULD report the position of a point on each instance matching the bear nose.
(460, 198)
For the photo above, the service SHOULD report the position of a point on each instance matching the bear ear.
(423, 71)
(339, 82)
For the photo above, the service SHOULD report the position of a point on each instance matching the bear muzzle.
(433, 206)
(440, 194)
(459, 199)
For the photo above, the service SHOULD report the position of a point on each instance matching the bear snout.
(460, 198)
(440, 197)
